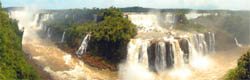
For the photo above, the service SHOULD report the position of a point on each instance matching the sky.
(191, 4)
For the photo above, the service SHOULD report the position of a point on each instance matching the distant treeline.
(132, 9)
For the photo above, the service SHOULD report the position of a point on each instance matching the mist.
(172, 40)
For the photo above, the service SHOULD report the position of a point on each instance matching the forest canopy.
(110, 34)
(13, 64)
(242, 71)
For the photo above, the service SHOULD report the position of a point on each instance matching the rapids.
(160, 53)
(57, 63)
(156, 53)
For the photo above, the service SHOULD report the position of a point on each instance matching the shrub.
(109, 35)
(13, 64)
(242, 71)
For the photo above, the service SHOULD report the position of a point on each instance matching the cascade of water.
(132, 50)
(160, 57)
(237, 43)
(184, 44)
(49, 33)
(143, 52)
(36, 20)
(210, 40)
(137, 52)
(178, 55)
(192, 52)
(62, 40)
(194, 15)
(213, 43)
(145, 23)
(43, 52)
(200, 43)
(43, 19)
(83, 48)
(169, 55)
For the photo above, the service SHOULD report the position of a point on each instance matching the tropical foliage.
(109, 35)
(182, 23)
(13, 64)
(242, 71)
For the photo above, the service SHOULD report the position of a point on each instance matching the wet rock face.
(185, 48)
(210, 40)
(151, 56)
(154, 52)
(170, 52)
(169, 55)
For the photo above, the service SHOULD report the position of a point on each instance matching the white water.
(58, 64)
(194, 15)
(160, 60)
(150, 22)
(237, 43)
(49, 33)
(167, 52)
(138, 58)
(83, 48)
(62, 66)
(63, 36)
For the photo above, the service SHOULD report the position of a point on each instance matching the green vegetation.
(242, 71)
(183, 24)
(65, 19)
(109, 35)
(142, 9)
(237, 24)
(13, 64)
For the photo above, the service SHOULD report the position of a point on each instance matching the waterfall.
(213, 43)
(83, 48)
(145, 23)
(237, 43)
(151, 22)
(160, 57)
(178, 55)
(62, 40)
(210, 39)
(36, 20)
(200, 43)
(49, 33)
(58, 64)
(168, 50)
(137, 52)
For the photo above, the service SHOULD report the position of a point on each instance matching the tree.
(114, 12)
(242, 71)
(0, 5)
(181, 17)
(112, 37)
(13, 64)
(109, 35)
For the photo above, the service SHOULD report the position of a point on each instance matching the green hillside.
(13, 64)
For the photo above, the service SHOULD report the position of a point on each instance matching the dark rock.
(185, 48)
(169, 55)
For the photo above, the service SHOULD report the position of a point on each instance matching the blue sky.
(193, 4)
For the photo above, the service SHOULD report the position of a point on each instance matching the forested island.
(108, 32)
